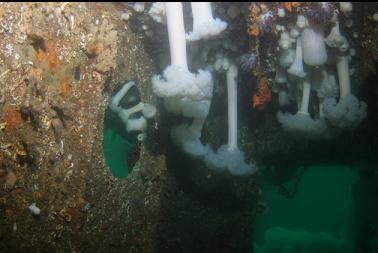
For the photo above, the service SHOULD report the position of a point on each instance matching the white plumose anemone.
(229, 157)
(204, 25)
(348, 113)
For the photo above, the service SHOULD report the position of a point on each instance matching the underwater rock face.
(59, 64)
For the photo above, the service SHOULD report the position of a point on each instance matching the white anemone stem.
(305, 97)
(343, 74)
(232, 74)
(176, 33)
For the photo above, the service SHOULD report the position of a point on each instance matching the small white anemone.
(302, 21)
(294, 32)
(139, 6)
(34, 209)
(127, 115)
(149, 111)
(114, 102)
(336, 40)
(137, 124)
(157, 12)
(287, 57)
(285, 40)
(281, 76)
(346, 8)
(283, 98)
(281, 12)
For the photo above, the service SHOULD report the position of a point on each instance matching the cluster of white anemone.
(306, 63)
(127, 114)
(186, 93)
(189, 94)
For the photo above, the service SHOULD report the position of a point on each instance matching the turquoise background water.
(323, 203)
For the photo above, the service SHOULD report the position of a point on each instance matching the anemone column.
(343, 74)
(232, 107)
(305, 97)
(176, 34)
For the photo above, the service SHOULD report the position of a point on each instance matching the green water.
(116, 149)
(319, 212)
(117, 144)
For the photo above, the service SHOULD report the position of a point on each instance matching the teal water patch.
(318, 210)
(117, 145)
